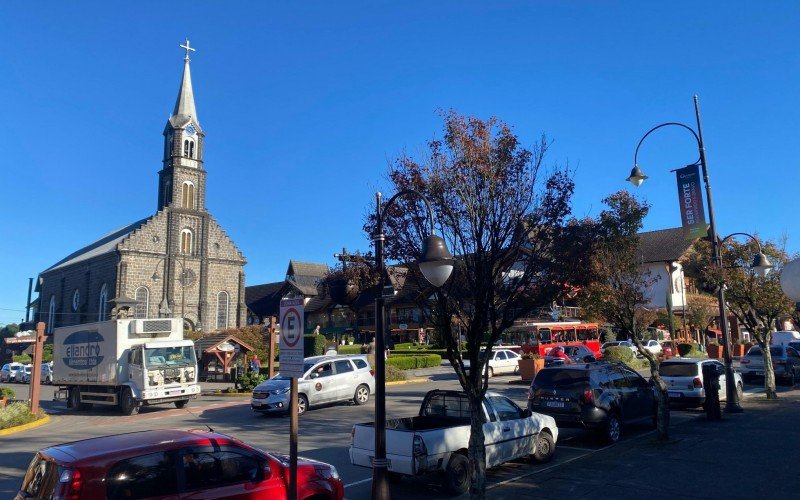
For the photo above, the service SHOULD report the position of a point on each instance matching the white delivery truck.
(127, 363)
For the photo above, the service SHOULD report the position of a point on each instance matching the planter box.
(737, 350)
(714, 351)
(528, 368)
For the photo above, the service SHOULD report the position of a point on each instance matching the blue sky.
(304, 103)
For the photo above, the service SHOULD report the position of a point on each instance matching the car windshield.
(775, 351)
(306, 366)
(678, 369)
(561, 378)
(169, 356)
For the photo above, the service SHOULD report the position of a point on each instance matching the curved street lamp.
(637, 177)
(185, 280)
(436, 264)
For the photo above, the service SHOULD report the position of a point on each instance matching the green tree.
(506, 221)
(756, 301)
(9, 330)
(618, 292)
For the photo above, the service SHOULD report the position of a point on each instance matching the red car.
(171, 464)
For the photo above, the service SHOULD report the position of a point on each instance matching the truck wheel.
(302, 404)
(458, 474)
(545, 447)
(75, 400)
(126, 402)
(181, 404)
(362, 395)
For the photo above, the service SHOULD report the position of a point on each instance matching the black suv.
(600, 396)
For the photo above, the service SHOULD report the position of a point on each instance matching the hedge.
(411, 362)
(314, 345)
(625, 355)
(691, 351)
(349, 349)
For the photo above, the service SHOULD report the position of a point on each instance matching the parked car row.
(21, 374)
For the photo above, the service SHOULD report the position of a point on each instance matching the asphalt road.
(324, 433)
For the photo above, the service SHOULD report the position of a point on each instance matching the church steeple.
(183, 150)
(185, 110)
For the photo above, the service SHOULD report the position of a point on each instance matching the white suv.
(11, 372)
(326, 379)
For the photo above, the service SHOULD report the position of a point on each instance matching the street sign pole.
(291, 362)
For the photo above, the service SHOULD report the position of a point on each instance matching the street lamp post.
(436, 264)
(636, 178)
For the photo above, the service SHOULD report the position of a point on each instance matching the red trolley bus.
(538, 336)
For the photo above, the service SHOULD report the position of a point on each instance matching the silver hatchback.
(326, 379)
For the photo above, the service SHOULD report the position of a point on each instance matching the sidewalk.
(746, 455)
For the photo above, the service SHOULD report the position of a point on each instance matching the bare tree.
(505, 220)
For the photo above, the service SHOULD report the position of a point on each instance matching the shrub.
(402, 362)
(18, 414)
(624, 355)
(350, 349)
(21, 358)
(691, 351)
(7, 392)
(411, 362)
(314, 345)
(394, 374)
(249, 381)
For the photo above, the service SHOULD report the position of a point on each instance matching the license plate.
(674, 394)
(760, 374)
(256, 403)
(554, 404)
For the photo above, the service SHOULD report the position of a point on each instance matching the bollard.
(711, 385)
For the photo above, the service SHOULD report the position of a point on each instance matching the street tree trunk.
(662, 398)
(477, 448)
(769, 372)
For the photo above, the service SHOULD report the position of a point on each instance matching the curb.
(25, 427)
(409, 381)
(228, 394)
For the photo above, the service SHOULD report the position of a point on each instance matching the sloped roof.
(264, 300)
(664, 245)
(105, 244)
(307, 269)
(210, 342)
(307, 285)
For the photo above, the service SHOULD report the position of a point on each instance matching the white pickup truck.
(438, 439)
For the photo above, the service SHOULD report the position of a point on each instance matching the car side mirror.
(526, 413)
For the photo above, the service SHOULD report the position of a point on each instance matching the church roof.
(105, 244)
(185, 111)
(307, 269)
(664, 245)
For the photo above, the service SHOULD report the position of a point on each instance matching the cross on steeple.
(188, 48)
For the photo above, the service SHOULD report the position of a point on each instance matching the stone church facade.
(178, 262)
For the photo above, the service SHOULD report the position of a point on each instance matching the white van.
(784, 337)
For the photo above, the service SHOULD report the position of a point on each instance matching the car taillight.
(697, 383)
(73, 480)
(744, 362)
(420, 450)
(587, 396)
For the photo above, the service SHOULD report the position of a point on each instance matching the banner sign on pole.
(690, 196)
(291, 340)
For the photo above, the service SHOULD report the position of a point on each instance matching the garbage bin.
(711, 374)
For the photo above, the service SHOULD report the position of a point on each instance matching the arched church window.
(103, 303)
(51, 314)
(186, 241)
(142, 296)
(187, 195)
(222, 310)
(188, 148)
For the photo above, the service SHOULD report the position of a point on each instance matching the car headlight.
(327, 471)
(281, 391)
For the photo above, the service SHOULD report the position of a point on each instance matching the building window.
(168, 192)
(51, 313)
(187, 195)
(222, 310)
(142, 296)
(76, 300)
(186, 241)
(188, 148)
(103, 303)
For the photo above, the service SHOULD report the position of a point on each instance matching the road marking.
(562, 447)
(358, 482)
